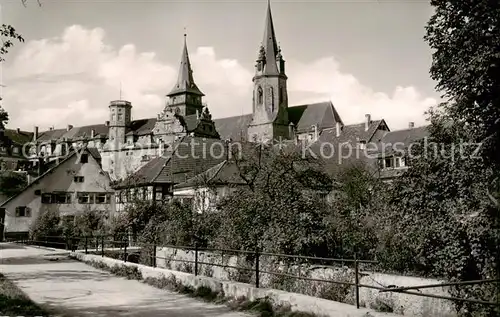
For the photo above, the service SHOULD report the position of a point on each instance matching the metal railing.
(97, 245)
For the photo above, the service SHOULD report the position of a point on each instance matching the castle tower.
(185, 98)
(270, 97)
(120, 117)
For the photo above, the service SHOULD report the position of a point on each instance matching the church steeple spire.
(185, 81)
(270, 44)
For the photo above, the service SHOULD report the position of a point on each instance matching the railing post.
(154, 254)
(86, 245)
(257, 260)
(102, 246)
(196, 259)
(125, 252)
(356, 272)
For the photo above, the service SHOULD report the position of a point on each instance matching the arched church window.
(260, 95)
(271, 94)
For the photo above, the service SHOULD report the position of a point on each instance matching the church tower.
(185, 98)
(120, 118)
(270, 97)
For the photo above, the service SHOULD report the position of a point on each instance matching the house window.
(61, 198)
(102, 198)
(84, 158)
(159, 195)
(399, 161)
(381, 164)
(84, 198)
(46, 198)
(23, 211)
(78, 179)
(389, 162)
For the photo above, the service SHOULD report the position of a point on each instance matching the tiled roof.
(146, 174)
(399, 140)
(224, 173)
(192, 156)
(51, 135)
(142, 126)
(19, 137)
(53, 166)
(233, 128)
(322, 114)
(76, 133)
(302, 116)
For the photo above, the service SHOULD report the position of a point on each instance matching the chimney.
(18, 131)
(35, 133)
(337, 127)
(368, 120)
(69, 127)
(92, 133)
(411, 125)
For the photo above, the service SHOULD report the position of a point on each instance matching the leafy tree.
(465, 39)
(46, 225)
(9, 35)
(442, 221)
(279, 209)
(11, 183)
(4, 117)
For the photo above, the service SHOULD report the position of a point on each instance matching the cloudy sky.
(365, 56)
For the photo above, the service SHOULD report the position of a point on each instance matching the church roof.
(233, 128)
(322, 114)
(185, 81)
(302, 116)
(270, 44)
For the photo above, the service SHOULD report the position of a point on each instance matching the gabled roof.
(19, 137)
(353, 133)
(322, 114)
(224, 173)
(76, 133)
(51, 135)
(233, 128)
(145, 175)
(190, 156)
(400, 139)
(142, 126)
(51, 170)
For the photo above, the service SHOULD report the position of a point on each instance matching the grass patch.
(13, 301)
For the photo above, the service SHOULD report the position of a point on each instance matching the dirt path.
(53, 280)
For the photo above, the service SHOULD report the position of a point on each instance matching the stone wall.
(407, 305)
